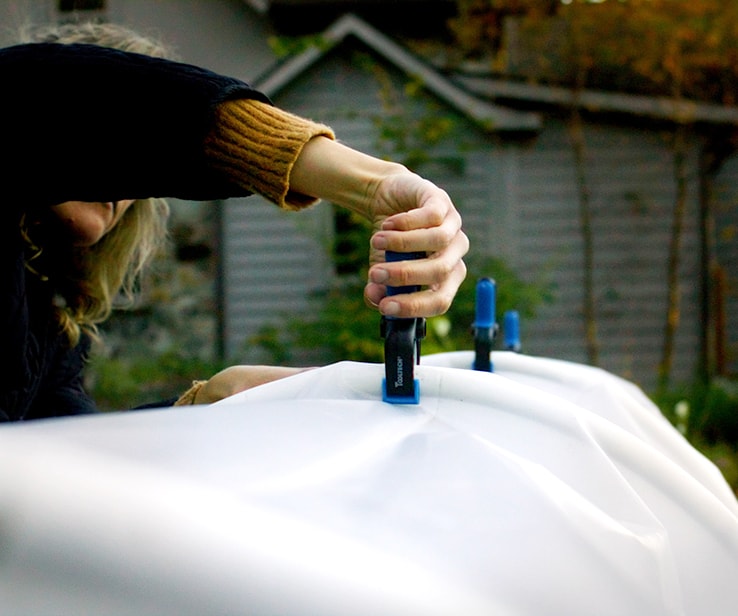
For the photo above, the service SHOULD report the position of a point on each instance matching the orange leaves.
(683, 48)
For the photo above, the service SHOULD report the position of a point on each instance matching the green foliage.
(410, 127)
(285, 46)
(707, 415)
(705, 412)
(133, 379)
(725, 458)
(346, 329)
(714, 412)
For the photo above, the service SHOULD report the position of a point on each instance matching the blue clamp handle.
(511, 331)
(485, 326)
(402, 338)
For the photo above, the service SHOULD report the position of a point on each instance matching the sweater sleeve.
(88, 123)
(255, 145)
(62, 391)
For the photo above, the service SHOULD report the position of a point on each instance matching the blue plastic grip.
(485, 304)
(391, 256)
(511, 330)
(485, 325)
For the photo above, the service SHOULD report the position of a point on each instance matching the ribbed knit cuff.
(256, 145)
(189, 396)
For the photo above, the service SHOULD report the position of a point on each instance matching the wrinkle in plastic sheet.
(524, 492)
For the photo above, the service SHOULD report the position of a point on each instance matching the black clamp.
(485, 326)
(402, 338)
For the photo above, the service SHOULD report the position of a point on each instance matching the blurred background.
(590, 147)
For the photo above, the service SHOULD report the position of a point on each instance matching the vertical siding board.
(726, 233)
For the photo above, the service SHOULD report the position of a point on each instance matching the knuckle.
(443, 271)
(413, 306)
(437, 217)
(447, 235)
(402, 277)
(399, 243)
(441, 305)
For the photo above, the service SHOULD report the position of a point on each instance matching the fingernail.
(379, 275)
(379, 242)
(391, 309)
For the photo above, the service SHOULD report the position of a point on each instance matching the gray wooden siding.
(632, 192)
(224, 35)
(273, 261)
(519, 201)
(267, 280)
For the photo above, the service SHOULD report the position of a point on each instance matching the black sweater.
(85, 123)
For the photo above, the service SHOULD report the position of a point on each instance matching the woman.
(98, 127)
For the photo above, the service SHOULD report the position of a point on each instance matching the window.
(351, 239)
(71, 6)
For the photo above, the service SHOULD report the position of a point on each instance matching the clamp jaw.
(485, 326)
(402, 338)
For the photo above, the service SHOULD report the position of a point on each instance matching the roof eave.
(661, 108)
(489, 117)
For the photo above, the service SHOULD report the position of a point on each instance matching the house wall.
(224, 35)
(630, 173)
(16, 13)
(519, 201)
(274, 264)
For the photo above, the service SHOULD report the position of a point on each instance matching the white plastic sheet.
(545, 488)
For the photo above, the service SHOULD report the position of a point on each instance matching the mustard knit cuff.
(189, 396)
(255, 145)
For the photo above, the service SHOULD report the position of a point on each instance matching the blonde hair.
(103, 274)
(96, 33)
(106, 274)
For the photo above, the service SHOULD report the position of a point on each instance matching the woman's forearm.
(329, 170)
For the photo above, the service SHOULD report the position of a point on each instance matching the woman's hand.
(235, 379)
(408, 214)
(411, 214)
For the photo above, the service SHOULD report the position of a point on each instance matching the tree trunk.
(576, 135)
(673, 299)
